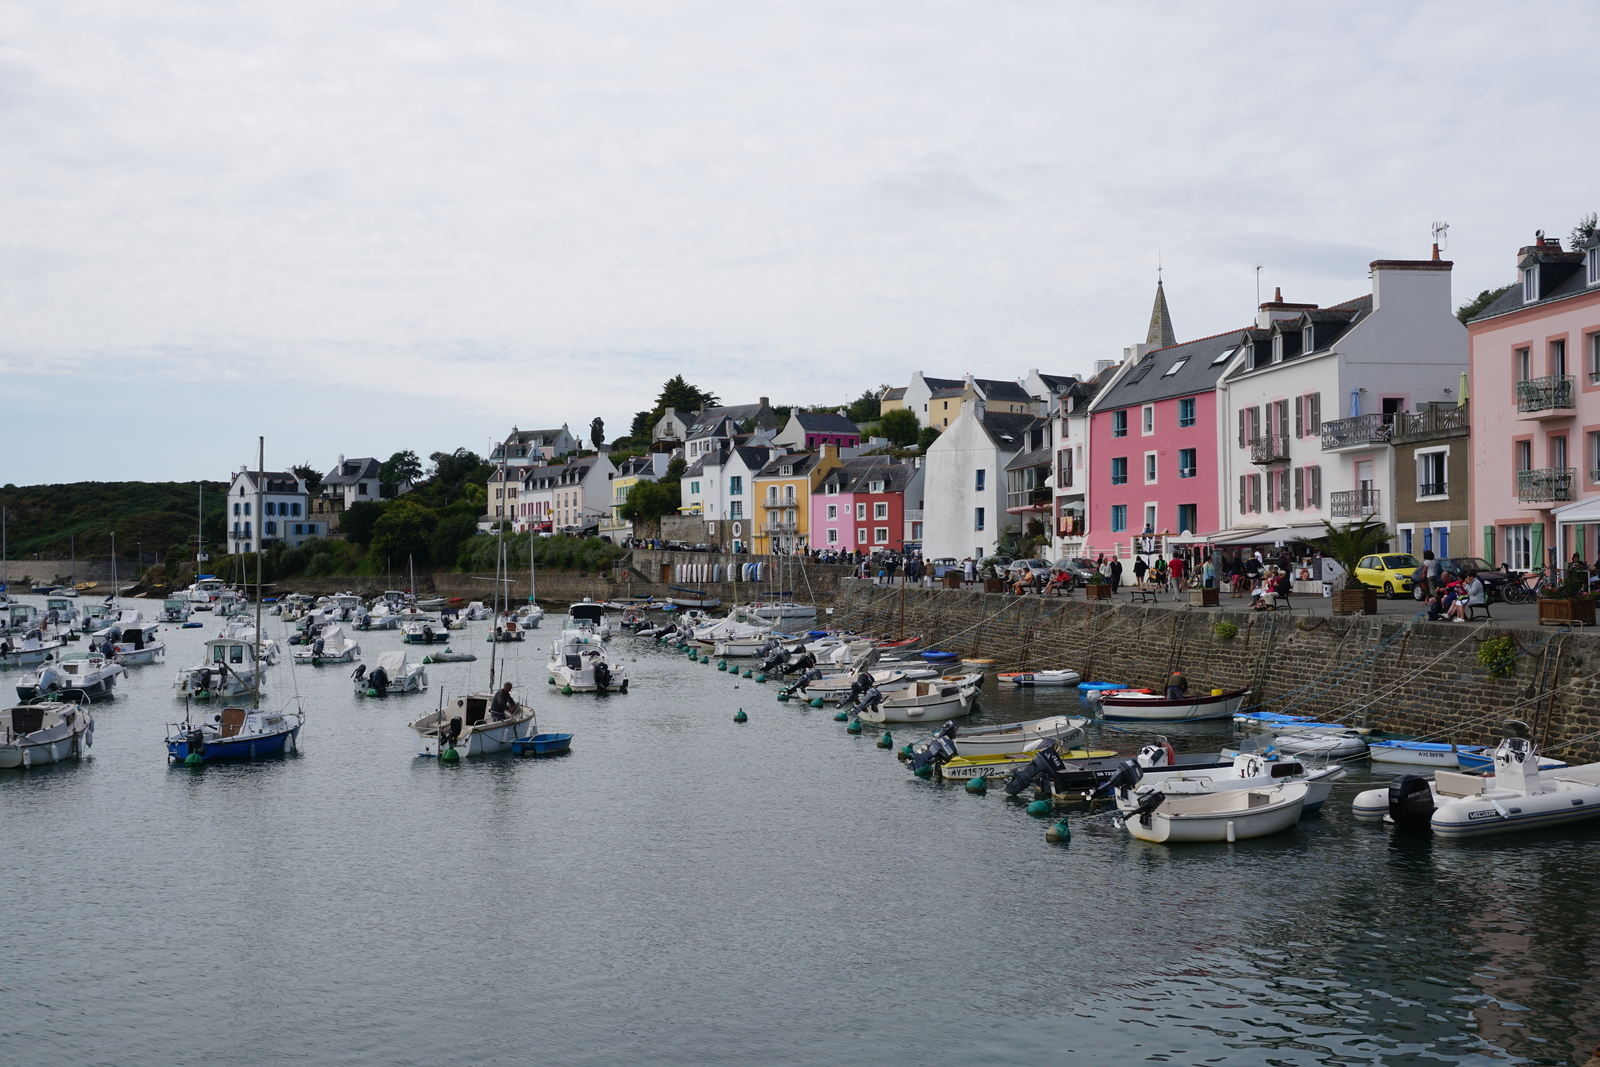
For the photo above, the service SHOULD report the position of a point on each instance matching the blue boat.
(933, 655)
(1088, 687)
(543, 745)
(1483, 760)
(234, 733)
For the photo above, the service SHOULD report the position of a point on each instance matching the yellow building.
(783, 493)
(633, 471)
(893, 399)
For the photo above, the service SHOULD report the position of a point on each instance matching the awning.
(1584, 511)
(1269, 535)
(1029, 509)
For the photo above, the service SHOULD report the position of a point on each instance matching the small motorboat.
(578, 661)
(934, 655)
(448, 656)
(175, 609)
(1230, 815)
(30, 649)
(1437, 755)
(1343, 744)
(1012, 738)
(1032, 679)
(234, 733)
(476, 612)
(425, 631)
(33, 735)
(468, 728)
(332, 645)
(432, 603)
(82, 676)
(507, 630)
(229, 669)
(138, 645)
(1143, 706)
(921, 701)
(390, 676)
(961, 768)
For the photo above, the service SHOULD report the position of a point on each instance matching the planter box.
(1099, 591)
(1355, 601)
(1566, 612)
(994, 585)
(952, 579)
(1205, 598)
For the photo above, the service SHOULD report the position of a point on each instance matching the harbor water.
(680, 889)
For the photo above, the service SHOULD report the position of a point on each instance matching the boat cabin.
(589, 613)
(21, 617)
(232, 653)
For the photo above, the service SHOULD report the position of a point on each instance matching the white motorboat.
(1035, 679)
(138, 645)
(228, 603)
(476, 612)
(391, 675)
(60, 613)
(33, 735)
(242, 628)
(1434, 755)
(424, 631)
(1145, 706)
(19, 619)
(837, 685)
(1519, 795)
(1014, 737)
(528, 616)
(82, 675)
(468, 727)
(175, 609)
(432, 603)
(332, 645)
(204, 591)
(229, 669)
(347, 607)
(30, 650)
(95, 618)
(588, 616)
(926, 701)
(578, 660)
(1230, 815)
(777, 611)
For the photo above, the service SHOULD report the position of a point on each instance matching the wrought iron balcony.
(1374, 429)
(1546, 485)
(1545, 394)
(1433, 489)
(1353, 503)
(1435, 422)
(1269, 448)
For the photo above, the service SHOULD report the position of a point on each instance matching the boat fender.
(1059, 834)
(1039, 808)
(979, 784)
(886, 741)
(1410, 801)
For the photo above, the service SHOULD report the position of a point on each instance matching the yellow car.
(1389, 573)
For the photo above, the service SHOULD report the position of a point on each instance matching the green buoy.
(1039, 808)
(840, 717)
(783, 694)
(192, 758)
(427, 661)
(886, 741)
(979, 784)
(372, 692)
(854, 727)
(722, 664)
(746, 674)
(1060, 833)
(567, 690)
(923, 772)
(905, 752)
(450, 755)
(705, 659)
(551, 680)
(761, 677)
(740, 716)
(816, 702)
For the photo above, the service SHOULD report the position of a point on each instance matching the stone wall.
(57, 571)
(1409, 677)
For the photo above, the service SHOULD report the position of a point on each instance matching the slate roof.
(825, 422)
(1059, 383)
(276, 481)
(895, 393)
(949, 392)
(801, 462)
(353, 471)
(1009, 392)
(1331, 324)
(738, 413)
(530, 437)
(1148, 381)
(1008, 429)
(1039, 457)
(853, 479)
(943, 383)
(1511, 299)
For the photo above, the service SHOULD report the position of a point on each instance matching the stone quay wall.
(1384, 672)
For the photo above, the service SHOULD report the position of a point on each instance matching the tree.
(1476, 305)
(865, 407)
(312, 476)
(404, 530)
(647, 502)
(597, 432)
(643, 423)
(928, 436)
(1347, 544)
(899, 426)
(681, 396)
(359, 519)
(675, 468)
(400, 467)
(449, 535)
(1584, 231)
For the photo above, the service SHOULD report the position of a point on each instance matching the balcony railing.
(1433, 489)
(1374, 429)
(914, 514)
(1188, 472)
(1546, 484)
(1594, 377)
(1434, 422)
(1269, 448)
(1353, 503)
(1543, 394)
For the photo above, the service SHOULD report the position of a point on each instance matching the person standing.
(1431, 572)
(1208, 573)
(969, 570)
(1176, 573)
(1161, 572)
(1139, 569)
(1116, 574)
(1177, 685)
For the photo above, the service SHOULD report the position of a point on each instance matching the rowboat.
(1438, 755)
(1233, 815)
(965, 767)
(1032, 679)
(1013, 737)
(1133, 705)
(926, 701)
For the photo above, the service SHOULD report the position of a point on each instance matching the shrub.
(1498, 655)
(1226, 630)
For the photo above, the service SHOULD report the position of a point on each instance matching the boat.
(1344, 744)
(30, 650)
(1141, 706)
(588, 616)
(175, 609)
(1519, 796)
(777, 611)
(962, 768)
(230, 668)
(1033, 679)
(204, 591)
(20, 619)
(551, 744)
(923, 701)
(391, 675)
(934, 655)
(448, 656)
(578, 661)
(1230, 815)
(84, 675)
(476, 612)
(506, 630)
(1479, 762)
(137, 645)
(32, 735)
(234, 733)
(1437, 755)
(60, 613)
(1014, 737)
(432, 603)
(332, 645)
(424, 631)
(467, 727)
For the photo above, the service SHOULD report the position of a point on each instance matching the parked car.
(703, 546)
(937, 567)
(1389, 573)
(1029, 568)
(678, 546)
(1080, 569)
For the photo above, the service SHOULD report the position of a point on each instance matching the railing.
(1545, 484)
(1188, 472)
(1594, 377)
(914, 514)
(1374, 429)
(1543, 394)
(1432, 423)
(1269, 448)
(1353, 503)
(1433, 489)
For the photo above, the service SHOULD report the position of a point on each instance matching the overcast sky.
(362, 227)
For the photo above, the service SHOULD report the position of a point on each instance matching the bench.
(1475, 612)
(1146, 593)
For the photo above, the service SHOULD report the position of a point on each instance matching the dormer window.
(1307, 341)
(1530, 284)
(1591, 261)
(1277, 348)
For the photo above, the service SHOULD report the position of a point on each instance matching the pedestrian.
(1139, 569)
(1161, 572)
(502, 704)
(1116, 574)
(1177, 685)
(1208, 573)
(1176, 573)
(1431, 571)
(969, 570)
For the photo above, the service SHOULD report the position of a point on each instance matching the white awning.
(1267, 535)
(1579, 511)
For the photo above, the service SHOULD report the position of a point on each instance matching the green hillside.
(158, 517)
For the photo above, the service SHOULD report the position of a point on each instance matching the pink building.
(1153, 463)
(1535, 387)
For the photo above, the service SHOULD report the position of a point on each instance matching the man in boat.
(1177, 685)
(500, 707)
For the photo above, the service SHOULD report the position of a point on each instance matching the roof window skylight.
(1223, 356)
(1176, 367)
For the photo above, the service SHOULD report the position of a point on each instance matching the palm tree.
(1347, 545)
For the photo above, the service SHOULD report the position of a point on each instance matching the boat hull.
(53, 745)
(1037, 679)
(255, 747)
(1153, 708)
(1015, 737)
(1412, 754)
(1234, 815)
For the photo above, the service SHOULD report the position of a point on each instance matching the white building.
(964, 483)
(919, 393)
(269, 510)
(355, 480)
(721, 484)
(526, 448)
(580, 492)
(1070, 480)
(1308, 404)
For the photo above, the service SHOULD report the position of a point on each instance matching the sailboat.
(471, 726)
(71, 588)
(5, 560)
(234, 732)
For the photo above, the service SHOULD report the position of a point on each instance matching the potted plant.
(1097, 588)
(1346, 545)
(992, 582)
(1567, 603)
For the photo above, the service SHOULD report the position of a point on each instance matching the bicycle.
(1518, 591)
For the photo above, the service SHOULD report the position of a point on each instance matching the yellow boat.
(962, 767)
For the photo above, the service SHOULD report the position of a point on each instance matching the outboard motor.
(1041, 771)
(204, 678)
(196, 740)
(805, 681)
(316, 647)
(427, 635)
(379, 680)
(870, 699)
(938, 751)
(602, 676)
(1126, 776)
(450, 734)
(778, 658)
(1410, 802)
(360, 672)
(1146, 807)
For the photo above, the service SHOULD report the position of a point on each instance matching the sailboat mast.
(114, 593)
(261, 474)
(499, 562)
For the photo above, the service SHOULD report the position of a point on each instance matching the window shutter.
(1299, 483)
(1283, 425)
(1316, 413)
(1299, 416)
(1255, 423)
(1255, 492)
(1244, 494)
(1242, 417)
(1283, 490)
(1316, 487)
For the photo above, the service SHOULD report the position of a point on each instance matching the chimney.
(1101, 365)
(763, 401)
(1277, 309)
(341, 462)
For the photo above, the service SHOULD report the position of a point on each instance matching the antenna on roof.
(1258, 284)
(1441, 236)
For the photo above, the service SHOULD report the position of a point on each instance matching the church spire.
(1161, 333)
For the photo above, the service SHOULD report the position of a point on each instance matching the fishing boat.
(234, 733)
(332, 645)
(1143, 706)
(578, 661)
(937, 698)
(390, 676)
(1033, 679)
(1231, 815)
(83, 675)
(175, 609)
(20, 619)
(467, 726)
(60, 613)
(138, 645)
(1437, 755)
(424, 631)
(963, 768)
(33, 735)
(30, 650)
